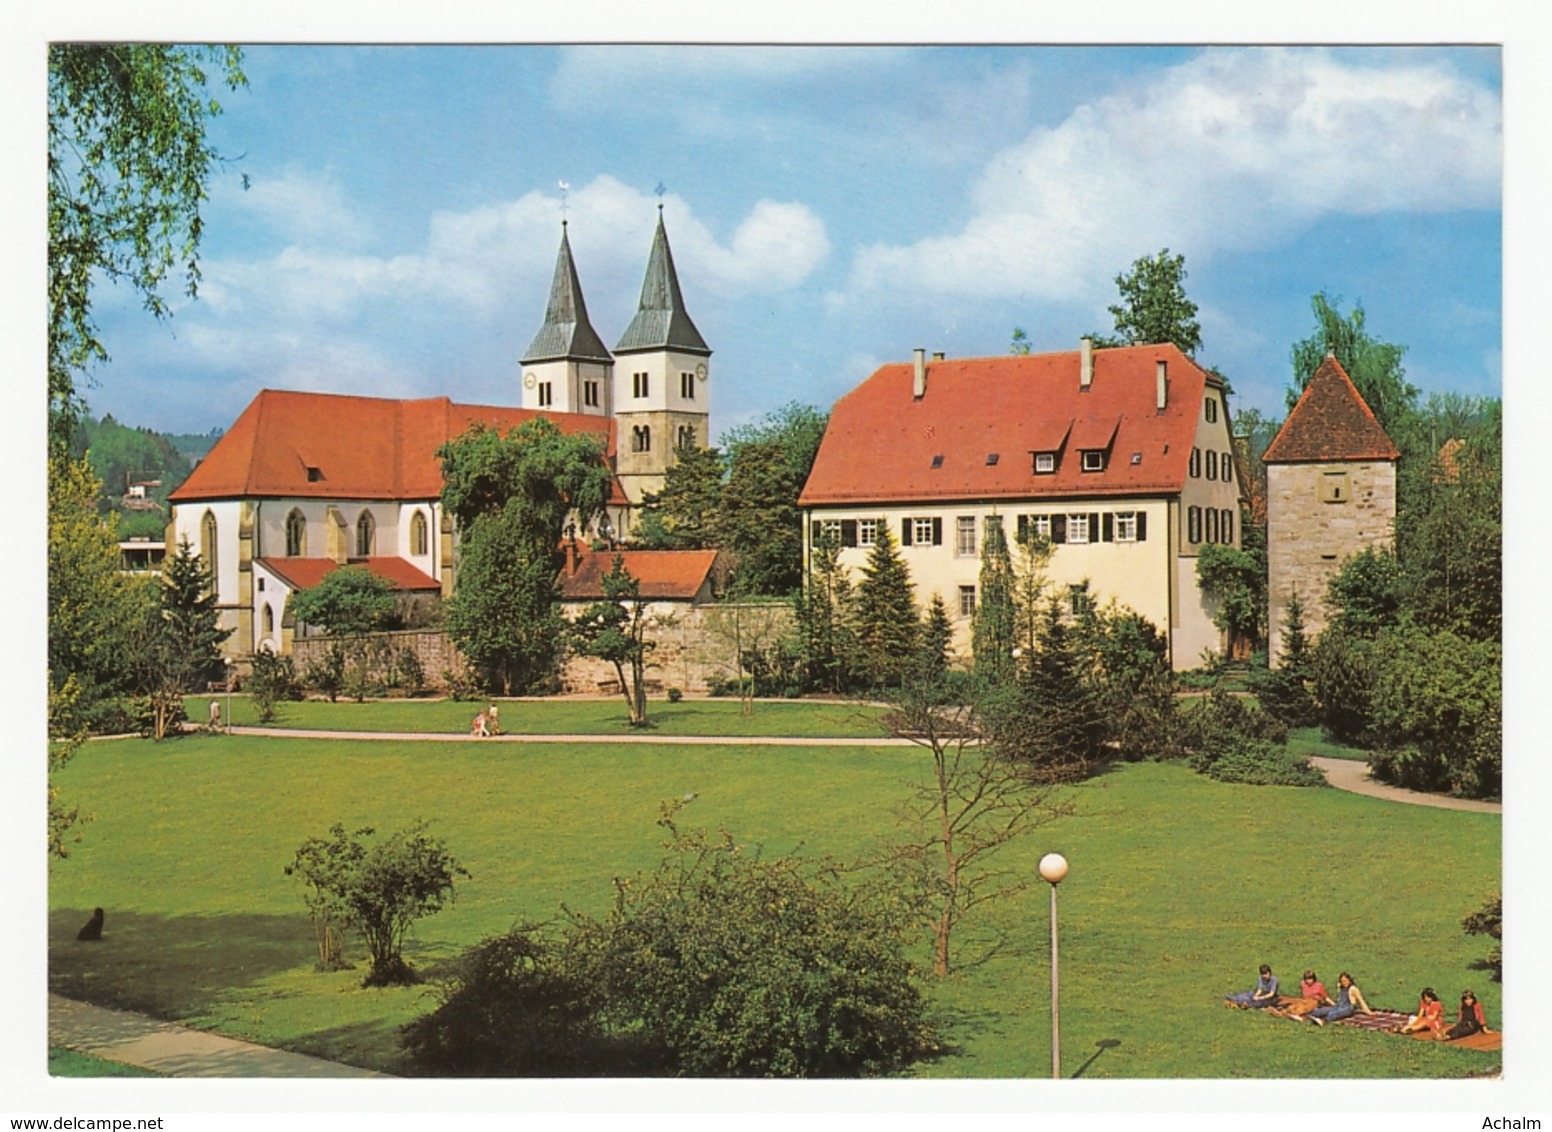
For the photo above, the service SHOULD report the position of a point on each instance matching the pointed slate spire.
(661, 322)
(566, 332)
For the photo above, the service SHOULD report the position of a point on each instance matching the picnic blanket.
(1383, 1020)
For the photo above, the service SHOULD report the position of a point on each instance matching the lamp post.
(226, 660)
(1053, 867)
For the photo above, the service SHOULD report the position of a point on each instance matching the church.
(303, 482)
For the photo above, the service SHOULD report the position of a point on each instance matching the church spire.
(566, 332)
(661, 322)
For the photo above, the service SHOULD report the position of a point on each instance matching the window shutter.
(1023, 528)
(1196, 462)
(813, 532)
(848, 528)
(1142, 526)
(1228, 469)
(905, 532)
(1212, 524)
(937, 532)
(1108, 530)
(1228, 526)
(1058, 528)
(1093, 526)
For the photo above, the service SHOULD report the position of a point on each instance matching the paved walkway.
(1349, 774)
(637, 737)
(176, 1051)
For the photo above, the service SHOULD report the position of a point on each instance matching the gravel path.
(1349, 774)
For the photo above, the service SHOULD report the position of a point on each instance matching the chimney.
(919, 386)
(937, 355)
(1085, 363)
(1163, 384)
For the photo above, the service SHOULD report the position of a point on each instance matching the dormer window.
(314, 475)
(1094, 460)
(937, 461)
(1045, 463)
(991, 459)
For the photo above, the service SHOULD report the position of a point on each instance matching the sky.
(829, 210)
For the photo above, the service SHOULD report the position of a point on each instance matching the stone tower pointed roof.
(1331, 422)
(661, 322)
(566, 332)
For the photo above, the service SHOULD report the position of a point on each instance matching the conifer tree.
(937, 637)
(827, 619)
(992, 632)
(889, 629)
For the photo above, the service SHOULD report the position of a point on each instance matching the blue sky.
(830, 208)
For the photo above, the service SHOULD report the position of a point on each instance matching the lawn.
(1179, 886)
(807, 719)
(70, 1063)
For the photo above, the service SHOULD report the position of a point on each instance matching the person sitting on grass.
(1429, 1016)
(1264, 995)
(1472, 1019)
(1312, 993)
(1349, 1001)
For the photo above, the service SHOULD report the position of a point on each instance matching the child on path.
(478, 728)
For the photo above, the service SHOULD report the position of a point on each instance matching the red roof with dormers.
(665, 575)
(330, 446)
(881, 442)
(1331, 422)
(305, 573)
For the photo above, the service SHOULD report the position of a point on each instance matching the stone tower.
(1331, 492)
(567, 368)
(663, 400)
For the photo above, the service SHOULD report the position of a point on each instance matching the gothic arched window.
(641, 438)
(366, 535)
(207, 548)
(296, 534)
(269, 619)
(418, 533)
(686, 436)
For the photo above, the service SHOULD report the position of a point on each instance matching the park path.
(675, 740)
(176, 1051)
(1351, 775)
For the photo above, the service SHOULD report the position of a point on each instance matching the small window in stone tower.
(639, 386)
(1333, 487)
(590, 394)
(687, 386)
(546, 394)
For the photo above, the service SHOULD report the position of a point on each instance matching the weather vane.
(564, 189)
(660, 190)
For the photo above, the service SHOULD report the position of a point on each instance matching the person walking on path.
(494, 715)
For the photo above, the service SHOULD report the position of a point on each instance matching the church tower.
(567, 368)
(663, 402)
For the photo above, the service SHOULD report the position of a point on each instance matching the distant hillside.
(139, 468)
(194, 446)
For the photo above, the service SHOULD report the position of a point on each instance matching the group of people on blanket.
(1314, 1004)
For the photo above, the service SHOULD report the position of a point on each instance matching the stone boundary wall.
(694, 647)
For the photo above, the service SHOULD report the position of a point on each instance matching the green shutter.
(1142, 526)
(937, 532)
(905, 532)
(1107, 533)
(1058, 528)
(848, 532)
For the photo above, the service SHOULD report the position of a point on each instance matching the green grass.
(1312, 741)
(1179, 886)
(69, 1063)
(718, 717)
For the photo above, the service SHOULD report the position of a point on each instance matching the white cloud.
(1234, 150)
(301, 206)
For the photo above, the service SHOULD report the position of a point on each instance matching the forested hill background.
(122, 455)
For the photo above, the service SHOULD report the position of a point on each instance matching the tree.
(827, 620)
(1154, 306)
(992, 634)
(687, 513)
(1236, 578)
(1488, 920)
(1374, 366)
(272, 680)
(731, 964)
(128, 166)
(177, 647)
(750, 632)
(380, 887)
(768, 463)
(762, 524)
(66, 734)
(1284, 692)
(615, 629)
(937, 636)
(976, 802)
(888, 627)
(512, 498)
(1049, 719)
(348, 601)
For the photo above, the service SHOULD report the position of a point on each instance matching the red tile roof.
(881, 441)
(305, 573)
(1331, 422)
(357, 447)
(672, 575)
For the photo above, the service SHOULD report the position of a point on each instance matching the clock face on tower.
(530, 379)
(700, 371)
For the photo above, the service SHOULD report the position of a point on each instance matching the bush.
(1284, 695)
(735, 966)
(381, 888)
(1229, 738)
(1257, 762)
(327, 673)
(273, 681)
(1488, 920)
(675, 695)
(511, 1009)
(463, 684)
